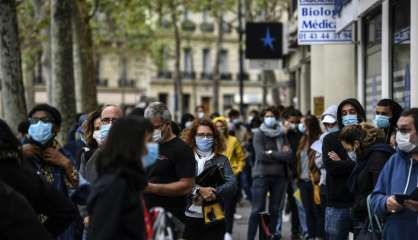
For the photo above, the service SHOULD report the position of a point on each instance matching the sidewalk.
(241, 226)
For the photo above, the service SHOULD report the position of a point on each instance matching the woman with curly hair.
(208, 145)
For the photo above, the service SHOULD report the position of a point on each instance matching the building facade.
(387, 49)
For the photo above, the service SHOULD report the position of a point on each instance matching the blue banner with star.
(264, 40)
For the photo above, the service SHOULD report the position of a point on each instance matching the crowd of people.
(141, 175)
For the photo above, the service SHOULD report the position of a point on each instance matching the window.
(186, 103)
(188, 64)
(228, 101)
(186, 15)
(401, 48)
(373, 61)
(223, 68)
(205, 16)
(206, 64)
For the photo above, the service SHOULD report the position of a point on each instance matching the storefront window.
(373, 59)
(401, 22)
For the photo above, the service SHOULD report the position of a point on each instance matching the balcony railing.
(164, 74)
(102, 82)
(188, 75)
(246, 76)
(188, 26)
(207, 27)
(206, 76)
(126, 83)
(226, 76)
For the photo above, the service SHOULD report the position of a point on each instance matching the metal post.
(241, 59)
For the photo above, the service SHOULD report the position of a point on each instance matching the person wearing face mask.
(59, 210)
(91, 130)
(368, 146)
(208, 145)
(387, 115)
(338, 221)
(236, 156)
(115, 207)
(109, 115)
(187, 121)
(399, 176)
(45, 155)
(329, 121)
(292, 119)
(171, 177)
(308, 176)
(272, 155)
(200, 112)
(238, 130)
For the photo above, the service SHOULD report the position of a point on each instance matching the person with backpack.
(371, 152)
(115, 204)
(208, 147)
(272, 154)
(308, 175)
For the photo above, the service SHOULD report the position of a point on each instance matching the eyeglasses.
(44, 119)
(108, 120)
(404, 130)
(205, 135)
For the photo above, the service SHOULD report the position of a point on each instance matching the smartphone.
(414, 195)
(400, 198)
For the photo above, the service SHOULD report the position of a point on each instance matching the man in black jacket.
(58, 210)
(338, 217)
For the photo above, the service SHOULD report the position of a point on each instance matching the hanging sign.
(317, 24)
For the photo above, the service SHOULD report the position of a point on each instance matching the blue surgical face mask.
(352, 155)
(350, 119)
(104, 131)
(41, 132)
(236, 121)
(381, 121)
(301, 128)
(333, 129)
(204, 144)
(152, 156)
(270, 122)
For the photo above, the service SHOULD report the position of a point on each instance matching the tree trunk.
(216, 69)
(62, 63)
(13, 94)
(178, 86)
(84, 67)
(29, 74)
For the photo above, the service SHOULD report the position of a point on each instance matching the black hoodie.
(338, 172)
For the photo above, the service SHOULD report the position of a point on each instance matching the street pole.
(241, 60)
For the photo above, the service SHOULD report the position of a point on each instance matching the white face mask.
(189, 124)
(200, 115)
(96, 136)
(156, 136)
(404, 142)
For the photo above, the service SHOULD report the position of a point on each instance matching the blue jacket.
(394, 178)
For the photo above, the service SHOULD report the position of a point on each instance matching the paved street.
(240, 227)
